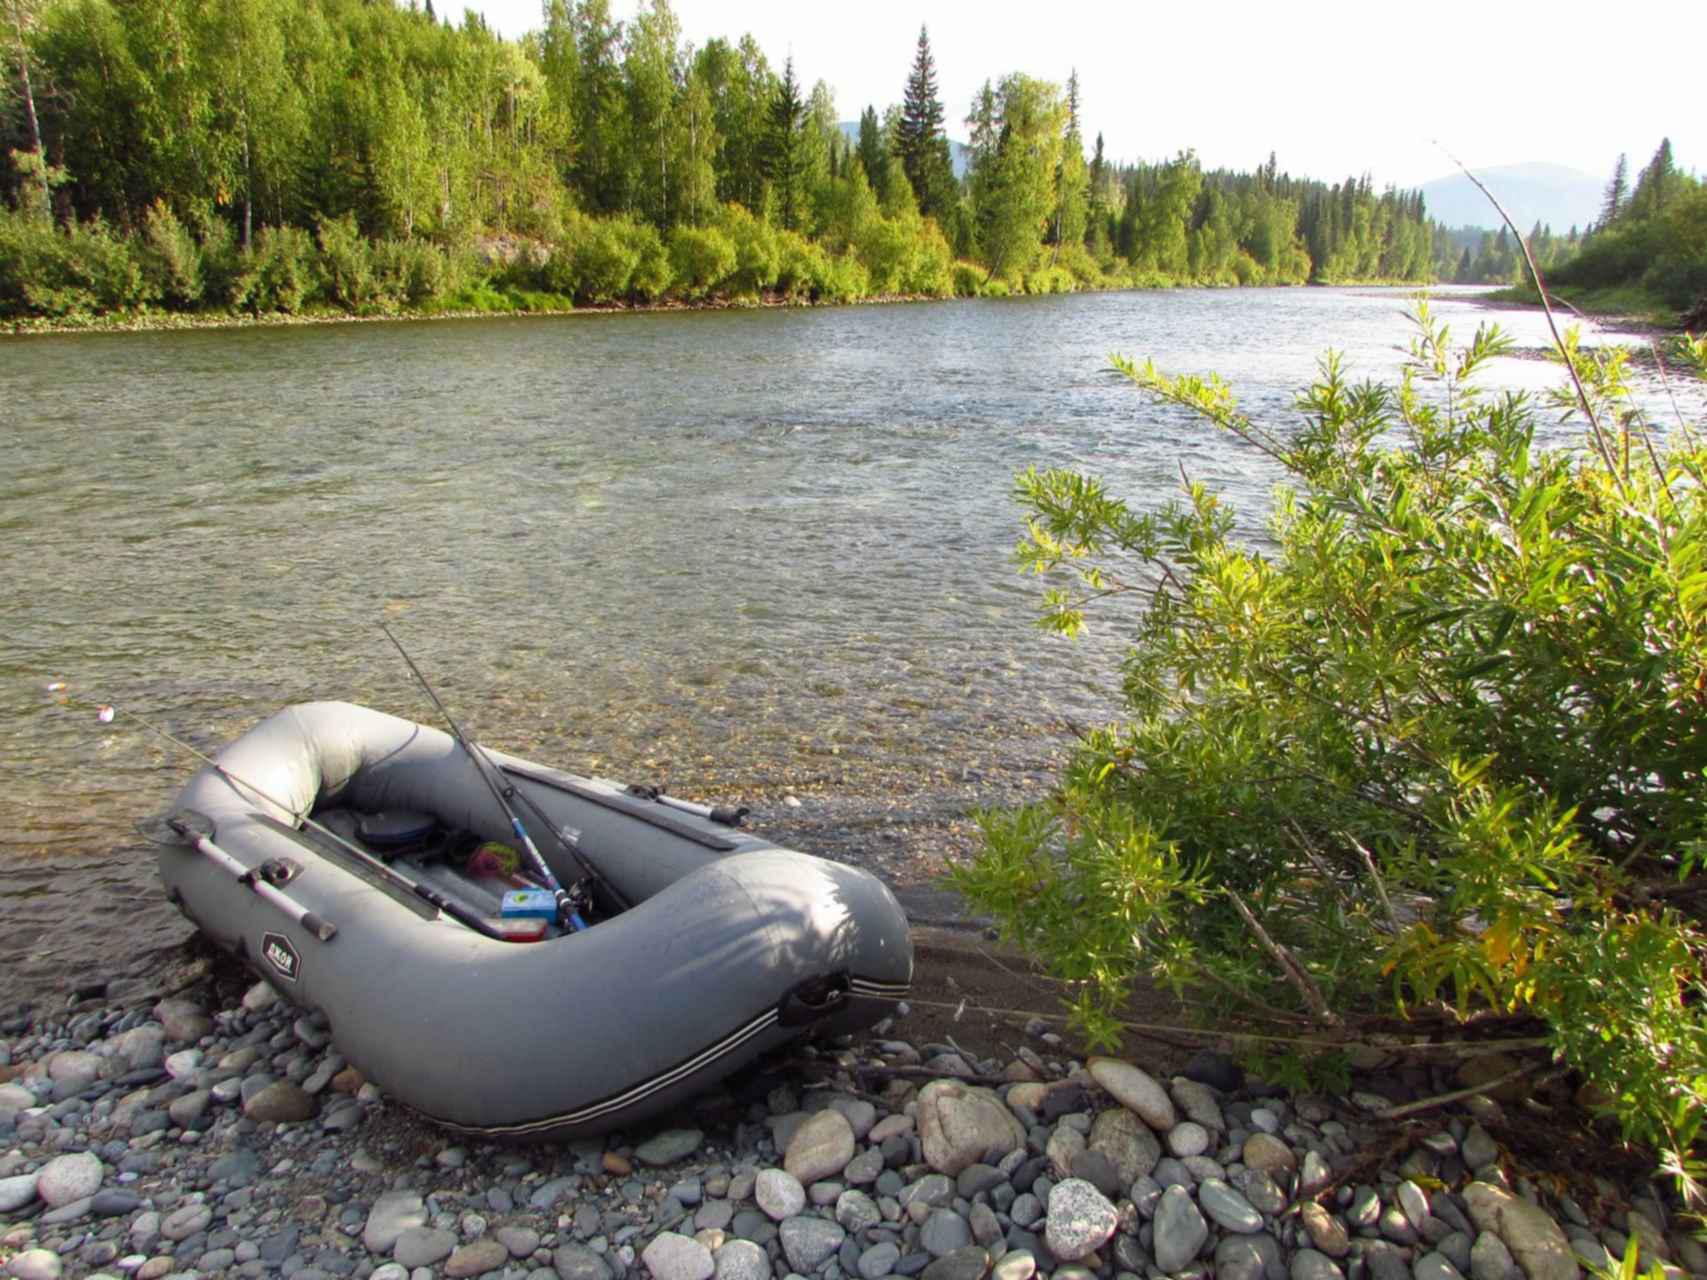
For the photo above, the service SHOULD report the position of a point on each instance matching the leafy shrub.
(170, 258)
(1440, 751)
(968, 279)
(700, 258)
(757, 253)
(281, 267)
(82, 271)
(410, 273)
(346, 265)
(226, 271)
(652, 273)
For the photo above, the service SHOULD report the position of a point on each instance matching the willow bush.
(1435, 752)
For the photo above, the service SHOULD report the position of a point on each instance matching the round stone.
(779, 1194)
(808, 1243)
(183, 1223)
(1251, 1257)
(423, 1246)
(66, 1179)
(1266, 1152)
(742, 1260)
(821, 1147)
(668, 1147)
(577, 1262)
(36, 1264)
(944, 1232)
(671, 1256)
(1188, 1138)
(1435, 1266)
(1080, 1220)
(16, 1192)
(392, 1214)
(279, 1103)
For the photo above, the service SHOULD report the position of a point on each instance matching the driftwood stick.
(1295, 972)
(1457, 1095)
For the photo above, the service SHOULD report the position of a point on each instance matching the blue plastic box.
(528, 904)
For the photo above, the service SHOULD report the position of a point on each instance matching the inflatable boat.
(365, 866)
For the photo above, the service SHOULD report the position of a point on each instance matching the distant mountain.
(1560, 198)
(958, 152)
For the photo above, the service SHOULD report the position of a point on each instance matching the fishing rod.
(188, 826)
(503, 790)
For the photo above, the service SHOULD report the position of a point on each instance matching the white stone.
(779, 1193)
(672, 1256)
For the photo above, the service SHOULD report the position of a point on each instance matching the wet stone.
(1227, 1207)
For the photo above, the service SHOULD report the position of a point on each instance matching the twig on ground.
(1457, 1095)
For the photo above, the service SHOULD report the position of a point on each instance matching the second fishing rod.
(504, 792)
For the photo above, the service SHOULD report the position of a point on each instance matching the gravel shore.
(200, 1136)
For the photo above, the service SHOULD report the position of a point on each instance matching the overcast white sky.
(1332, 88)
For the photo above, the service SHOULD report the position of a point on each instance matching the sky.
(1334, 89)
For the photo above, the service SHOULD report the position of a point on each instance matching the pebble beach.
(179, 1138)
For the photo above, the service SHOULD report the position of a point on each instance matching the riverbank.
(217, 1132)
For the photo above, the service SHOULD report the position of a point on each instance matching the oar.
(502, 789)
(427, 894)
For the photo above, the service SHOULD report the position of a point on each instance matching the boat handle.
(198, 828)
(812, 999)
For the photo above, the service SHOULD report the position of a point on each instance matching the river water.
(756, 556)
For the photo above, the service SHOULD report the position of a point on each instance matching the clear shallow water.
(749, 555)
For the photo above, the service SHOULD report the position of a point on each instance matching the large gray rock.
(1307, 1264)
(960, 1125)
(1080, 1220)
(1534, 1239)
(74, 1070)
(65, 1179)
(392, 1214)
(671, 1256)
(969, 1263)
(808, 1243)
(1199, 1103)
(820, 1148)
(1135, 1090)
(1180, 1230)
(1491, 1260)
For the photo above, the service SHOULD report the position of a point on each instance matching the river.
(754, 556)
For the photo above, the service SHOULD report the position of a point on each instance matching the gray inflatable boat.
(394, 911)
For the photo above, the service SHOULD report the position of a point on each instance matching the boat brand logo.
(281, 955)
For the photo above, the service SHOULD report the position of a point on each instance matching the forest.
(283, 155)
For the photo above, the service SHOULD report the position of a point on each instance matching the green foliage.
(171, 259)
(281, 274)
(700, 258)
(346, 265)
(82, 272)
(1444, 742)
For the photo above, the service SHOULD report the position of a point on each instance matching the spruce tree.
(1617, 192)
(874, 152)
(920, 138)
(783, 166)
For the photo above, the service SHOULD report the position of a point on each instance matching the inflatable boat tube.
(707, 946)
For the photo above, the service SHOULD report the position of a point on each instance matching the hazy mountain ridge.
(1552, 194)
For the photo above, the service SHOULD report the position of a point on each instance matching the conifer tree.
(1617, 192)
(874, 152)
(783, 158)
(920, 138)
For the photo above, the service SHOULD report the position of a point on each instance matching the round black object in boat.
(396, 828)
